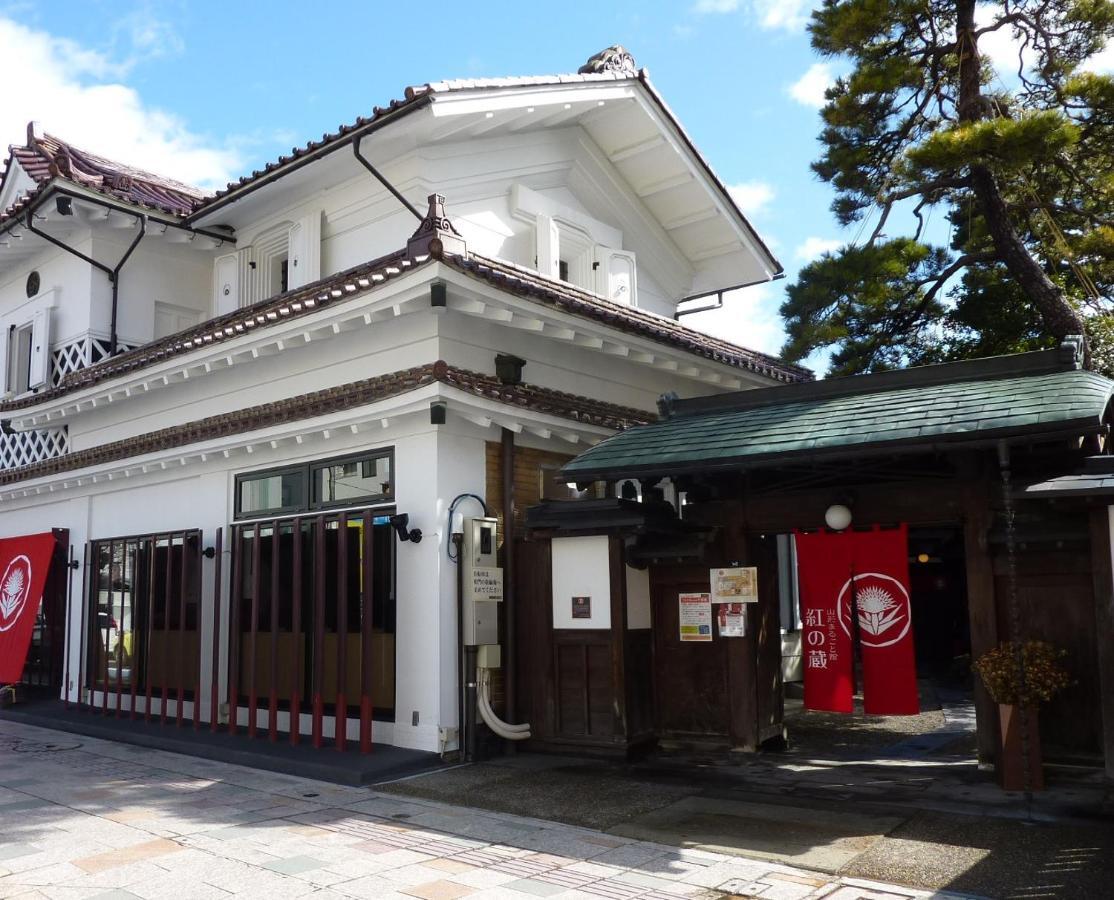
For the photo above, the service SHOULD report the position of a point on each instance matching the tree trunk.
(1059, 316)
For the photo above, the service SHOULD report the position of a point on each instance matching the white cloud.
(147, 36)
(752, 196)
(1102, 62)
(749, 318)
(789, 15)
(1000, 47)
(809, 88)
(79, 94)
(814, 247)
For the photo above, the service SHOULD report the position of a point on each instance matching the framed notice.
(738, 585)
(731, 618)
(695, 617)
(582, 607)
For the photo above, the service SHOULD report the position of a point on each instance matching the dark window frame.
(309, 501)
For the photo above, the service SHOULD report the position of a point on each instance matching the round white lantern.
(837, 517)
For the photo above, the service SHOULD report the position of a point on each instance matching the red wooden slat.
(151, 556)
(200, 596)
(66, 630)
(120, 625)
(107, 629)
(167, 590)
(367, 596)
(272, 706)
(341, 715)
(135, 643)
(182, 577)
(214, 689)
(318, 626)
(296, 629)
(256, 579)
(88, 598)
(234, 629)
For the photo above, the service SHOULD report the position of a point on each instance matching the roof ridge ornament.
(436, 236)
(615, 58)
(1071, 352)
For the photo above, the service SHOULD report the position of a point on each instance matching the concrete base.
(384, 763)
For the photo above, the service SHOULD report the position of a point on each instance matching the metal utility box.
(483, 581)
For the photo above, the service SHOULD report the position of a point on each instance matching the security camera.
(400, 523)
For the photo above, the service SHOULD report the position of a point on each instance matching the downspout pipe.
(112, 273)
(366, 163)
(509, 598)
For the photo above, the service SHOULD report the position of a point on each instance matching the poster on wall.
(695, 617)
(737, 585)
(732, 619)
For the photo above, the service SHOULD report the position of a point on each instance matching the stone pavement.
(81, 817)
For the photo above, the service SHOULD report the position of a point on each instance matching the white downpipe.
(504, 729)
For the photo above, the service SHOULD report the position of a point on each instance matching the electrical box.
(483, 581)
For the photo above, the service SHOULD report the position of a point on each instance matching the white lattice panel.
(26, 447)
(78, 354)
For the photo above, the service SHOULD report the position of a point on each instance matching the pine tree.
(1024, 175)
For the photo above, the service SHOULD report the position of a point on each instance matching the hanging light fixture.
(837, 516)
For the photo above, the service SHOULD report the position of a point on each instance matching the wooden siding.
(528, 467)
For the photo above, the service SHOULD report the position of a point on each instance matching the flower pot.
(1011, 758)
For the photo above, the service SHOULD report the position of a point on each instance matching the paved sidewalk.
(81, 817)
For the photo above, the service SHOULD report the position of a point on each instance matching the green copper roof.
(916, 410)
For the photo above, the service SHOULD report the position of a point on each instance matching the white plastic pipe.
(504, 729)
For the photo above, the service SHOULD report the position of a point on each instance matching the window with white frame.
(25, 350)
(567, 252)
(284, 257)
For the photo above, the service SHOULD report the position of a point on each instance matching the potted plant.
(1018, 682)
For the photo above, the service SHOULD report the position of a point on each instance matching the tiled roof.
(337, 399)
(1096, 478)
(871, 419)
(416, 96)
(632, 320)
(47, 157)
(359, 280)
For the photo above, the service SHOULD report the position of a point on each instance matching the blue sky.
(207, 91)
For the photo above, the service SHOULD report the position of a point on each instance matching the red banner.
(823, 564)
(868, 572)
(24, 564)
(884, 621)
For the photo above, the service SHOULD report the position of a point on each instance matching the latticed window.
(26, 447)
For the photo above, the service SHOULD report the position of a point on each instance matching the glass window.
(352, 479)
(270, 492)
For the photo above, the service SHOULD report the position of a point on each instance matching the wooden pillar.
(767, 638)
(742, 653)
(1102, 573)
(982, 613)
(618, 573)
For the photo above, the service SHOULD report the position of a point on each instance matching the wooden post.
(618, 574)
(340, 706)
(234, 643)
(276, 586)
(296, 639)
(318, 628)
(214, 688)
(742, 655)
(1102, 573)
(982, 613)
(367, 606)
